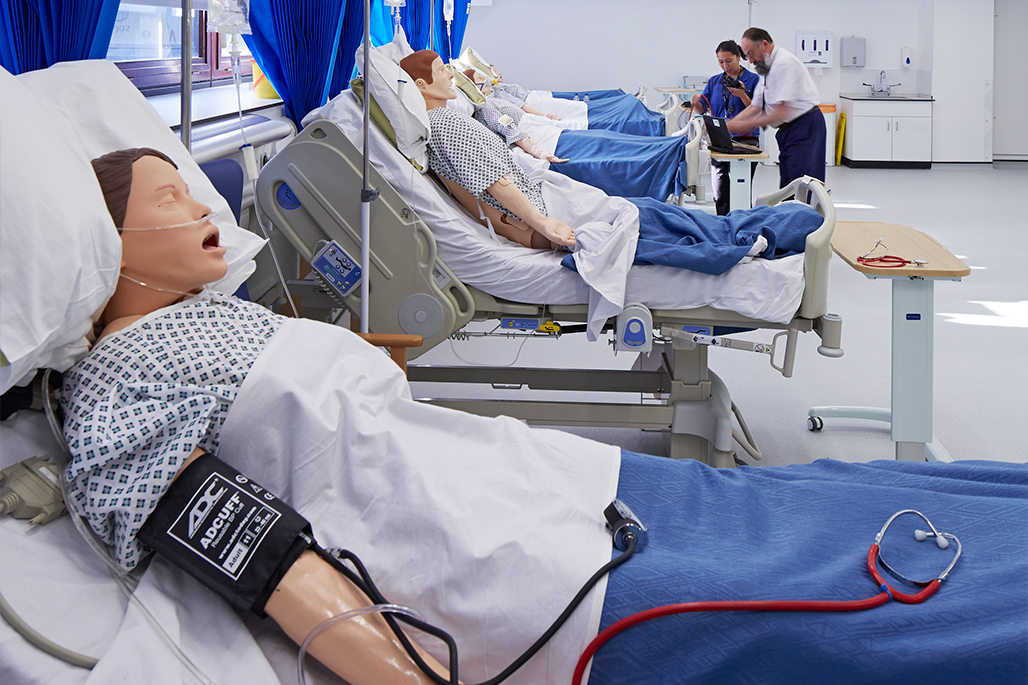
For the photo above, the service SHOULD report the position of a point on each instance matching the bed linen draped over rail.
(689, 239)
(624, 165)
(802, 532)
(616, 110)
(35, 34)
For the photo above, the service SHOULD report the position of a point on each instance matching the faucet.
(882, 86)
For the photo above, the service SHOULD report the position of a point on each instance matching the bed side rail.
(310, 191)
(818, 253)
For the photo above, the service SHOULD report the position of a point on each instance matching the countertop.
(895, 96)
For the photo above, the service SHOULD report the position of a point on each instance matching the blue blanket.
(591, 94)
(802, 532)
(690, 239)
(616, 110)
(622, 164)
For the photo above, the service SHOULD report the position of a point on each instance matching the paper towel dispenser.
(852, 49)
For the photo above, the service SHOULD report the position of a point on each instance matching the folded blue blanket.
(802, 532)
(622, 164)
(616, 110)
(591, 94)
(690, 239)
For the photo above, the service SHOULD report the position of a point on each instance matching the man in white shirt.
(787, 99)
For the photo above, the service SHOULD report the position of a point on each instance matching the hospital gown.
(512, 93)
(464, 151)
(502, 118)
(139, 403)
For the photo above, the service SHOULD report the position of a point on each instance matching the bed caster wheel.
(815, 423)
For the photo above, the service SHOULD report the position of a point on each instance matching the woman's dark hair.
(729, 46)
(114, 172)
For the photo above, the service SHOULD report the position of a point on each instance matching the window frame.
(163, 76)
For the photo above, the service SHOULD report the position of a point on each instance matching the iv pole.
(186, 90)
(367, 194)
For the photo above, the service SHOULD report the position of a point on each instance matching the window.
(147, 46)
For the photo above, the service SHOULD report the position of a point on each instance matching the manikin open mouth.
(211, 241)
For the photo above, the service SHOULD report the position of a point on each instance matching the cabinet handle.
(897, 126)
(888, 125)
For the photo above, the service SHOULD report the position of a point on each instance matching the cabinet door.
(912, 139)
(870, 139)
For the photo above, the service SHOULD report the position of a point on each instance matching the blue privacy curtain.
(415, 17)
(351, 36)
(295, 44)
(447, 43)
(35, 34)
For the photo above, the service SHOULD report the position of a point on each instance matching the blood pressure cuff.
(226, 531)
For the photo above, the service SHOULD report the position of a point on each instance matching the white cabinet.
(887, 132)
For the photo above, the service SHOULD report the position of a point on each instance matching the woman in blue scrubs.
(727, 94)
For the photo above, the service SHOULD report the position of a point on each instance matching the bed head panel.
(311, 192)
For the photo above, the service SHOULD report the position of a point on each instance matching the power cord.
(31, 490)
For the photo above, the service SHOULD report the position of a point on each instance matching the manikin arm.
(511, 197)
(362, 650)
(532, 148)
(529, 109)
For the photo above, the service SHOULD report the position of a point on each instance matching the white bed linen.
(373, 471)
(573, 114)
(509, 271)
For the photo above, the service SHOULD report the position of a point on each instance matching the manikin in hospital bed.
(608, 110)
(482, 525)
(619, 164)
(432, 278)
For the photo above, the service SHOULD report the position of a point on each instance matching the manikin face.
(480, 82)
(179, 259)
(728, 62)
(441, 87)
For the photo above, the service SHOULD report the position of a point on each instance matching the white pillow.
(109, 113)
(396, 49)
(60, 256)
(400, 100)
(61, 252)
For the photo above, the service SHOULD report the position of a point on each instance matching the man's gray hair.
(755, 35)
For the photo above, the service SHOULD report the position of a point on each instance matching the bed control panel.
(509, 323)
(634, 329)
(336, 269)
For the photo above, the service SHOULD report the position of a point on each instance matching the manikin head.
(728, 56)
(145, 195)
(431, 77)
(757, 46)
(480, 81)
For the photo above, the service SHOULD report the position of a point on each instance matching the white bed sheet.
(761, 289)
(573, 114)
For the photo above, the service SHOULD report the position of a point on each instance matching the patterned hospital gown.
(491, 115)
(139, 403)
(464, 151)
(512, 93)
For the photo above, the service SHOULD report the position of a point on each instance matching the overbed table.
(739, 172)
(913, 321)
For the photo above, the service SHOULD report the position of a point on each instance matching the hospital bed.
(432, 273)
(771, 519)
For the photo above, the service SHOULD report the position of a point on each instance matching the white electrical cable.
(301, 674)
(121, 576)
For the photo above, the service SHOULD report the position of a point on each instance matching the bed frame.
(310, 191)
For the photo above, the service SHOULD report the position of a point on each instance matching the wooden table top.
(756, 154)
(852, 239)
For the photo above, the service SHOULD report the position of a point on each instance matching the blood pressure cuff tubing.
(226, 531)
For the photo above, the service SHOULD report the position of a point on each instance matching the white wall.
(962, 81)
(595, 44)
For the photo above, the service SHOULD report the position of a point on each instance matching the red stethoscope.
(874, 557)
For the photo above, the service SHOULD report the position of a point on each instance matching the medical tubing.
(887, 593)
(690, 607)
(373, 593)
(121, 576)
(301, 674)
(51, 648)
(274, 255)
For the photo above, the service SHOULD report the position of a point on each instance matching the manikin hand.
(556, 231)
(553, 117)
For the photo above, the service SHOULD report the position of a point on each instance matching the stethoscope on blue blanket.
(874, 557)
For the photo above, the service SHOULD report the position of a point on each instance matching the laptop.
(721, 138)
